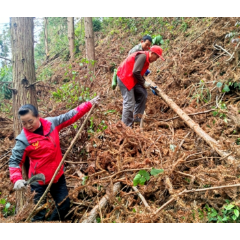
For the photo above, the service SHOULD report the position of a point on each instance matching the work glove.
(19, 185)
(147, 85)
(95, 100)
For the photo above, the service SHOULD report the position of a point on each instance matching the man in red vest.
(132, 83)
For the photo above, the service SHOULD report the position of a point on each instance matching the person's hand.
(147, 85)
(19, 185)
(95, 100)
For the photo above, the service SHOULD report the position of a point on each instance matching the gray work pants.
(134, 102)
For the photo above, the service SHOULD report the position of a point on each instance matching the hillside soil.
(111, 154)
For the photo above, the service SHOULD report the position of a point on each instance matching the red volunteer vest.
(125, 70)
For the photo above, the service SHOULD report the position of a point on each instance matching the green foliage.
(7, 211)
(45, 74)
(228, 214)
(99, 128)
(97, 24)
(155, 172)
(157, 40)
(202, 93)
(57, 40)
(72, 93)
(144, 176)
(84, 180)
(5, 76)
(219, 111)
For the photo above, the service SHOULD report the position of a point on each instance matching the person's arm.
(138, 66)
(73, 115)
(16, 161)
(70, 117)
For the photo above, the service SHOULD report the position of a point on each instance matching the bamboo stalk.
(193, 125)
(60, 164)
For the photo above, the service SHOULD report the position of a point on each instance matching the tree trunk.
(70, 21)
(89, 39)
(23, 74)
(46, 37)
(193, 125)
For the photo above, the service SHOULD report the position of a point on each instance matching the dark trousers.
(59, 192)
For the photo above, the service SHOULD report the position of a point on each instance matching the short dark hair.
(25, 109)
(147, 37)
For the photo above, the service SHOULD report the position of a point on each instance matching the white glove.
(147, 85)
(19, 185)
(95, 100)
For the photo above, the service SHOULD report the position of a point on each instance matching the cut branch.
(142, 198)
(102, 203)
(193, 125)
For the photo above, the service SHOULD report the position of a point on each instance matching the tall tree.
(89, 39)
(70, 21)
(23, 74)
(46, 36)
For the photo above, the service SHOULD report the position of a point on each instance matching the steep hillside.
(197, 75)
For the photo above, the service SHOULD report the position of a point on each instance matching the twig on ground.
(193, 191)
(142, 198)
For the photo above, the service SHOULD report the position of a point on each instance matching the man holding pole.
(132, 83)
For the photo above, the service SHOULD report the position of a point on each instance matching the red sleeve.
(72, 116)
(15, 174)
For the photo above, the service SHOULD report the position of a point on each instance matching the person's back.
(144, 45)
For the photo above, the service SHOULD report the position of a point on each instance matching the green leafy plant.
(157, 40)
(6, 208)
(72, 93)
(84, 180)
(219, 111)
(202, 93)
(5, 77)
(144, 176)
(228, 214)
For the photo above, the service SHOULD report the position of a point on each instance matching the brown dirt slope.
(108, 152)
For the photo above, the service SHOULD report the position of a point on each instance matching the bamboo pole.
(60, 164)
(102, 203)
(193, 125)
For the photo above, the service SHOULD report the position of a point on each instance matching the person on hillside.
(39, 141)
(132, 83)
(144, 45)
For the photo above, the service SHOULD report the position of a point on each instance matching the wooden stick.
(180, 145)
(142, 198)
(75, 162)
(193, 125)
(60, 164)
(102, 203)
(192, 191)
